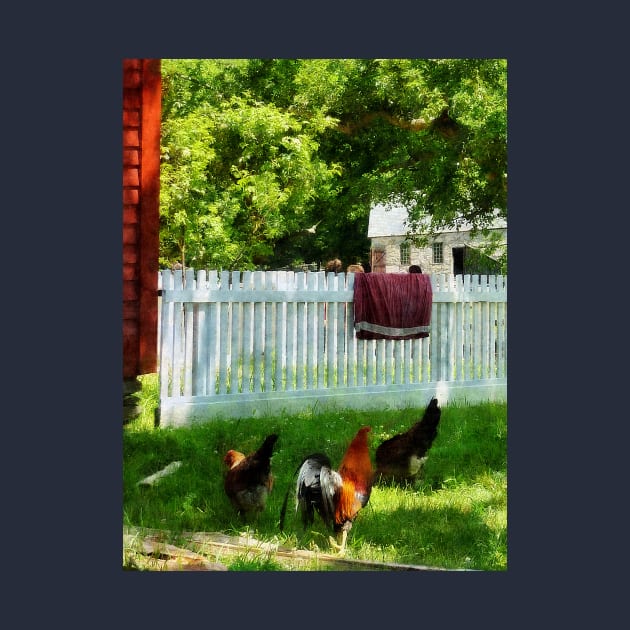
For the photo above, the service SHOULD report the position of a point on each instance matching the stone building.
(453, 250)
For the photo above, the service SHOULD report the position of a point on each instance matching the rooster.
(248, 480)
(337, 496)
(403, 456)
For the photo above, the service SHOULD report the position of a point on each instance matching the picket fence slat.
(253, 338)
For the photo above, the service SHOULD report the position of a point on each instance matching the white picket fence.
(237, 344)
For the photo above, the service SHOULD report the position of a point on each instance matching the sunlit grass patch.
(454, 517)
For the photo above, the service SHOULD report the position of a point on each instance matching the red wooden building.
(141, 190)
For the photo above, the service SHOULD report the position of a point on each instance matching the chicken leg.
(339, 545)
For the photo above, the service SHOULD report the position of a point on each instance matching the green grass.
(456, 517)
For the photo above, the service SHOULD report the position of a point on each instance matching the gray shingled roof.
(391, 220)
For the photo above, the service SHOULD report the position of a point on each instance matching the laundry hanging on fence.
(392, 305)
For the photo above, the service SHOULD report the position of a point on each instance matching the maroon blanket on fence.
(392, 305)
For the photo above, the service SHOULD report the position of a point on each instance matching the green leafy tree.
(256, 151)
(237, 173)
(429, 133)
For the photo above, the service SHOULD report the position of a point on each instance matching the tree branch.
(351, 127)
(443, 124)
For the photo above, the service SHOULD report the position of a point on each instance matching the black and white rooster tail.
(308, 491)
(283, 511)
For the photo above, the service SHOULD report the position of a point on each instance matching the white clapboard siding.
(234, 344)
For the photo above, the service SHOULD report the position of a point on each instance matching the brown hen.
(401, 458)
(249, 480)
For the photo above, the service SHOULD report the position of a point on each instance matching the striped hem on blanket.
(388, 330)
